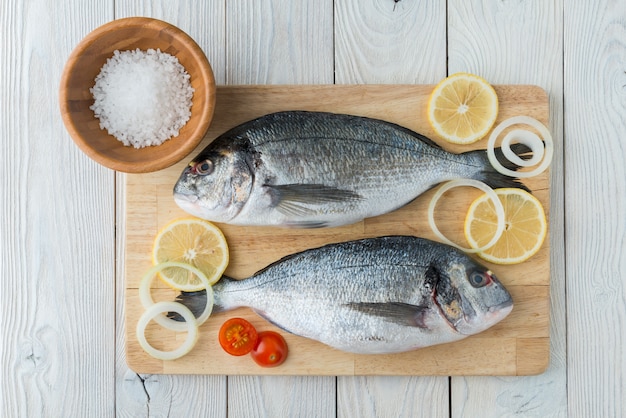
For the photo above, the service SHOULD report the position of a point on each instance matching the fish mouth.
(508, 304)
(190, 203)
(489, 317)
(503, 309)
(185, 198)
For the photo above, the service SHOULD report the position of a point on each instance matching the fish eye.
(479, 279)
(204, 168)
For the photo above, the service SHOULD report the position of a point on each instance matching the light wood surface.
(63, 333)
(377, 42)
(523, 42)
(519, 345)
(595, 123)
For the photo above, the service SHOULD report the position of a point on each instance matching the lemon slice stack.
(192, 241)
(525, 226)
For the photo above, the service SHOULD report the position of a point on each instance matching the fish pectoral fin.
(307, 224)
(292, 199)
(396, 312)
(294, 209)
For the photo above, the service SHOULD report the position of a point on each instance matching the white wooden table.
(62, 309)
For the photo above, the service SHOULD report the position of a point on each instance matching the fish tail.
(491, 176)
(196, 301)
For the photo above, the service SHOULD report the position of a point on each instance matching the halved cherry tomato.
(270, 349)
(237, 336)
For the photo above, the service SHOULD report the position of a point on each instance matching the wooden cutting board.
(519, 345)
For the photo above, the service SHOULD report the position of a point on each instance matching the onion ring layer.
(471, 183)
(156, 311)
(147, 301)
(542, 150)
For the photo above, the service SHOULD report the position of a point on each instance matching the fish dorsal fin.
(396, 312)
(292, 199)
(414, 134)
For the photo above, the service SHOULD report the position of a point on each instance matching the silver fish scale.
(365, 158)
(314, 169)
(312, 294)
(359, 145)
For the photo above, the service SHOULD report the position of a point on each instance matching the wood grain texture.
(392, 396)
(203, 20)
(155, 395)
(149, 206)
(57, 263)
(280, 42)
(391, 42)
(595, 122)
(521, 42)
(281, 396)
(59, 364)
(165, 395)
(384, 42)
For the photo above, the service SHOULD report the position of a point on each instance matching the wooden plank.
(160, 395)
(57, 262)
(519, 42)
(202, 20)
(280, 42)
(252, 248)
(281, 396)
(596, 229)
(392, 396)
(386, 42)
(527, 348)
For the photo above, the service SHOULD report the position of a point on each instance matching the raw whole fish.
(312, 169)
(371, 296)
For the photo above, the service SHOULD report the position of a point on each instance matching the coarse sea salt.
(142, 98)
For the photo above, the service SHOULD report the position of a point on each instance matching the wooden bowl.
(85, 63)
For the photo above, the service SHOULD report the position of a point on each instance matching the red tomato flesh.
(237, 336)
(270, 349)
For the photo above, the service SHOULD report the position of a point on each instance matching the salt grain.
(142, 98)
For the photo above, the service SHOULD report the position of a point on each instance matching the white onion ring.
(542, 150)
(528, 138)
(147, 301)
(155, 311)
(471, 183)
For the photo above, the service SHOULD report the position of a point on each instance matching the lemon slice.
(195, 242)
(462, 108)
(525, 226)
